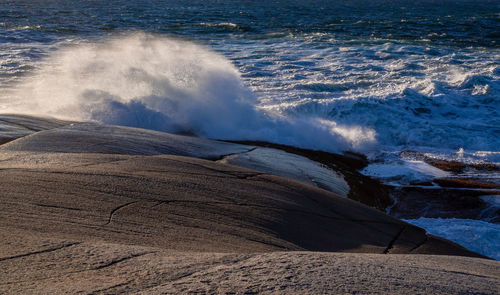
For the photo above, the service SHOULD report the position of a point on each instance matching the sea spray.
(166, 84)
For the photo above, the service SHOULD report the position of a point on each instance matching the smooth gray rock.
(17, 126)
(96, 209)
(36, 264)
(290, 166)
(191, 204)
(97, 138)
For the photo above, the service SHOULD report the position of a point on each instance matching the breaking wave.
(165, 84)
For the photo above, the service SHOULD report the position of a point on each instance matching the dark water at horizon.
(461, 23)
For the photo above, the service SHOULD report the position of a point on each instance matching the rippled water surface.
(332, 75)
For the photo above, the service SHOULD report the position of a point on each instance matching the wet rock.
(434, 202)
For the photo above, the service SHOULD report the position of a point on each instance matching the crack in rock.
(118, 260)
(39, 252)
(222, 157)
(391, 243)
(116, 209)
(237, 174)
(58, 207)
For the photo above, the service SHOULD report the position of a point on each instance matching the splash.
(165, 84)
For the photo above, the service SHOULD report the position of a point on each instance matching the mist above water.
(165, 84)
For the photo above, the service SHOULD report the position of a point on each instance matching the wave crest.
(170, 85)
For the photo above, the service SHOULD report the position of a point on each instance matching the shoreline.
(363, 188)
(86, 201)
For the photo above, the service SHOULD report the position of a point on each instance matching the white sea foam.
(165, 84)
(404, 171)
(222, 24)
(476, 235)
(413, 96)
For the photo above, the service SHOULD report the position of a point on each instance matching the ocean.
(375, 77)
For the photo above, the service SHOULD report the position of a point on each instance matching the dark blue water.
(463, 23)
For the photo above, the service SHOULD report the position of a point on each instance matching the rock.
(289, 165)
(106, 209)
(97, 138)
(38, 264)
(191, 204)
(466, 183)
(450, 165)
(434, 202)
(16, 126)
(362, 188)
(336, 173)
